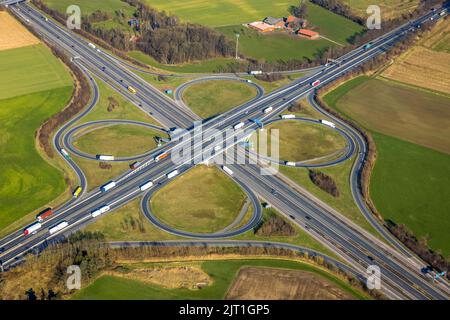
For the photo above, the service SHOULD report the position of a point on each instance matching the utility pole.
(237, 45)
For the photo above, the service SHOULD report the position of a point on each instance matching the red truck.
(44, 214)
(315, 83)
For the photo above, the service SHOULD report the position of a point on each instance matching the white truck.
(146, 186)
(60, 226)
(267, 110)
(100, 211)
(108, 186)
(290, 163)
(328, 123)
(91, 45)
(255, 72)
(239, 125)
(172, 174)
(105, 157)
(227, 170)
(288, 116)
(32, 228)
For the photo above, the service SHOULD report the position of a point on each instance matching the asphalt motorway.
(281, 98)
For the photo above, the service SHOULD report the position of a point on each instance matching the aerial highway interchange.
(400, 268)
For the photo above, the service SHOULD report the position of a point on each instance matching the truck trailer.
(60, 226)
(32, 228)
(328, 123)
(146, 186)
(227, 170)
(172, 174)
(108, 186)
(288, 116)
(239, 125)
(44, 214)
(105, 157)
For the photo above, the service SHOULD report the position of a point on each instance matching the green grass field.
(28, 181)
(299, 141)
(410, 182)
(222, 273)
(128, 140)
(89, 6)
(410, 185)
(30, 69)
(211, 98)
(389, 8)
(201, 200)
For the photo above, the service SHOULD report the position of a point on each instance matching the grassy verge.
(211, 98)
(222, 273)
(206, 66)
(344, 203)
(123, 110)
(202, 200)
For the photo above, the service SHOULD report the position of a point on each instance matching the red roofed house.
(308, 34)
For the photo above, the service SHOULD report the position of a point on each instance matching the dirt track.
(13, 34)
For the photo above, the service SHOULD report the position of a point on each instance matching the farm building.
(261, 26)
(308, 34)
(276, 22)
(292, 21)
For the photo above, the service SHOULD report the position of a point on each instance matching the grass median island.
(202, 200)
(301, 141)
(211, 98)
(221, 272)
(119, 140)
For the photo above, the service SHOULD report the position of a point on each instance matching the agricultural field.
(427, 64)
(30, 69)
(389, 8)
(300, 141)
(34, 85)
(28, 181)
(219, 275)
(262, 283)
(424, 68)
(202, 200)
(128, 140)
(13, 34)
(415, 192)
(409, 181)
(211, 98)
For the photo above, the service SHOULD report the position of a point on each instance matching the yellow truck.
(132, 90)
